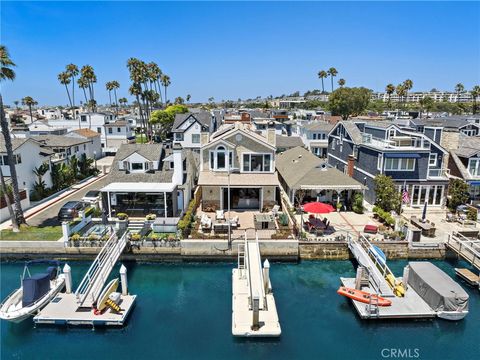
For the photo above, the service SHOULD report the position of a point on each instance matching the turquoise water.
(184, 312)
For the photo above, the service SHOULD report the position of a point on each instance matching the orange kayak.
(362, 296)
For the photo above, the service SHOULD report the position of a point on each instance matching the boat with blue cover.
(35, 292)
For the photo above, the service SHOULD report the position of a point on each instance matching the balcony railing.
(396, 143)
(438, 173)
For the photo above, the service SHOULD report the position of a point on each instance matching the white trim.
(400, 161)
(263, 163)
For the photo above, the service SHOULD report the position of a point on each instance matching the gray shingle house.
(187, 128)
(381, 147)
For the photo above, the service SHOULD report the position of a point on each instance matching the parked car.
(92, 197)
(70, 210)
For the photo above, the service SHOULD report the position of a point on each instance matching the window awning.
(475, 183)
(402, 155)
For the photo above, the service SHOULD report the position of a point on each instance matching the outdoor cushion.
(370, 229)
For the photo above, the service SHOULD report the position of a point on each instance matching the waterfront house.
(150, 179)
(28, 154)
(298, 169)
(381, 147)
(93, 148)
(464, 125)
(187, 128)
(41, 127)
(238, 158)
(464, 163)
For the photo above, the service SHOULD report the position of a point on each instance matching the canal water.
(183, 311)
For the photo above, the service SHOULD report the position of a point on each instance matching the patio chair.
(206, 222)
(219, 215)
(275, 210)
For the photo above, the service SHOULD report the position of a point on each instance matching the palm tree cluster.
(85, 82)
(113, 85)
(65, 78)
(332, 72)
(30, 102)
(401, 90)
(147, 80)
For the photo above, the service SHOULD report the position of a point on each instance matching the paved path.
(46, 214)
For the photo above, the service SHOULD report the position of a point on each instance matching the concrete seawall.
(217, 250)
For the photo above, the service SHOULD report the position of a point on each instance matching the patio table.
(427, 228)
(317, 224)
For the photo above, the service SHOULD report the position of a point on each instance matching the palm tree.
(30, 102)
(332, 72)
(122, 101)
(73, 71)
(65, 79)
(341, 82)
(115, 85)
(407, 85)
(16, 102)
(389, 89)
(322, 74)
(16, 215)
(475, 94)
(109, 88)
(165, 80)
(6, 64)
(89, 78)
(400, 90)
(459, 88)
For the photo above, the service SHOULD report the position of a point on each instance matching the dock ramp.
(94, 280)
(466, 248)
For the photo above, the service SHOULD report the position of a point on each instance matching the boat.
(362, 296)
(446, 297)
(35, 292)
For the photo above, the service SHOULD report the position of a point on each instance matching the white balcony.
(396, 142)
(438, 173)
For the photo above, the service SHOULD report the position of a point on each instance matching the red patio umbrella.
(318, 208)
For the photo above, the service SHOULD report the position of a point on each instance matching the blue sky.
(229, 50)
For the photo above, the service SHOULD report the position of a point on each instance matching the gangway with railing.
(94, 280)
(466, 248)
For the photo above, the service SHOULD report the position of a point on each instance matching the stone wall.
(324, 251)
(210, 198)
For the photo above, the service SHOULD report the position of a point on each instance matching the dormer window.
(136, 166)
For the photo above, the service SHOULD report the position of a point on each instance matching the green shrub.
(93, 237)
(150, 217)
(472, 213)
(357, 205)
(89, 211)
(75, 237)
(135, 237)
(122, 216)
(283, 219)
(186, 222)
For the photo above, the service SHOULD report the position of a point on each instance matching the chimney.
(245, 117)
(350, 165)
(203, 138)
(271, 137)
(177, 177)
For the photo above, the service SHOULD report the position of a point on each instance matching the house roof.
(384, 124)
(319, 126)
(468, 146)
(59, 140)
(448, 122)
(288, 141)
(203, 118)
(16, 143)
(152, 152)
(86, 133)
(300, 169)
(227, 130)
(353, 131)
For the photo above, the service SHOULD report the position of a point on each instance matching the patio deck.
(245, 223)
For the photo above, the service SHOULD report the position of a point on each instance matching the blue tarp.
(402, 155)
(475, 183)
(35, 287)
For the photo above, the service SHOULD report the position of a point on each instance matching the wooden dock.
(468, 276)
(64, 310)
(411, 306)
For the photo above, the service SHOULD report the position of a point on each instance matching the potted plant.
(135, 237)
(122, 216)
(339, 206)
(150, 218)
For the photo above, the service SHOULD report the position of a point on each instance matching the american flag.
(405, 194)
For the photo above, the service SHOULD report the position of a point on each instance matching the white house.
(113, 132)
(188, 127)
(28, 155)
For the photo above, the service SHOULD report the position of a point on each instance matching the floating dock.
(469, 277)
(78, 308)
(254, 312)
(409, 306)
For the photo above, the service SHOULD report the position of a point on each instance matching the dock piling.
(68, 278)
(123, 279)
(406, 272)
(256, 311)
(266, 276)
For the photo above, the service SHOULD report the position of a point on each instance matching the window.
(76, 149)
(341, 148)
(99, 130)
(391, 133)
(110, 130)
(195, 138)
(137, 166)
(178, 136)
(474, 166)
(257, 162)
(218, 158)
(355, 151)
(432, 160)
(119, 129)
(84, 147)
(83, 118)
(399, 164)
(333, 144)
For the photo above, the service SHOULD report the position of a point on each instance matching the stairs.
(135, 225)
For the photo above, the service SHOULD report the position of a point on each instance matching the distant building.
(187, 128)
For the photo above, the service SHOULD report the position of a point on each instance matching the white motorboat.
(34, 293)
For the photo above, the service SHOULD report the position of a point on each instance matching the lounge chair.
(219, 215)
(206, 222)
(275, 210)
